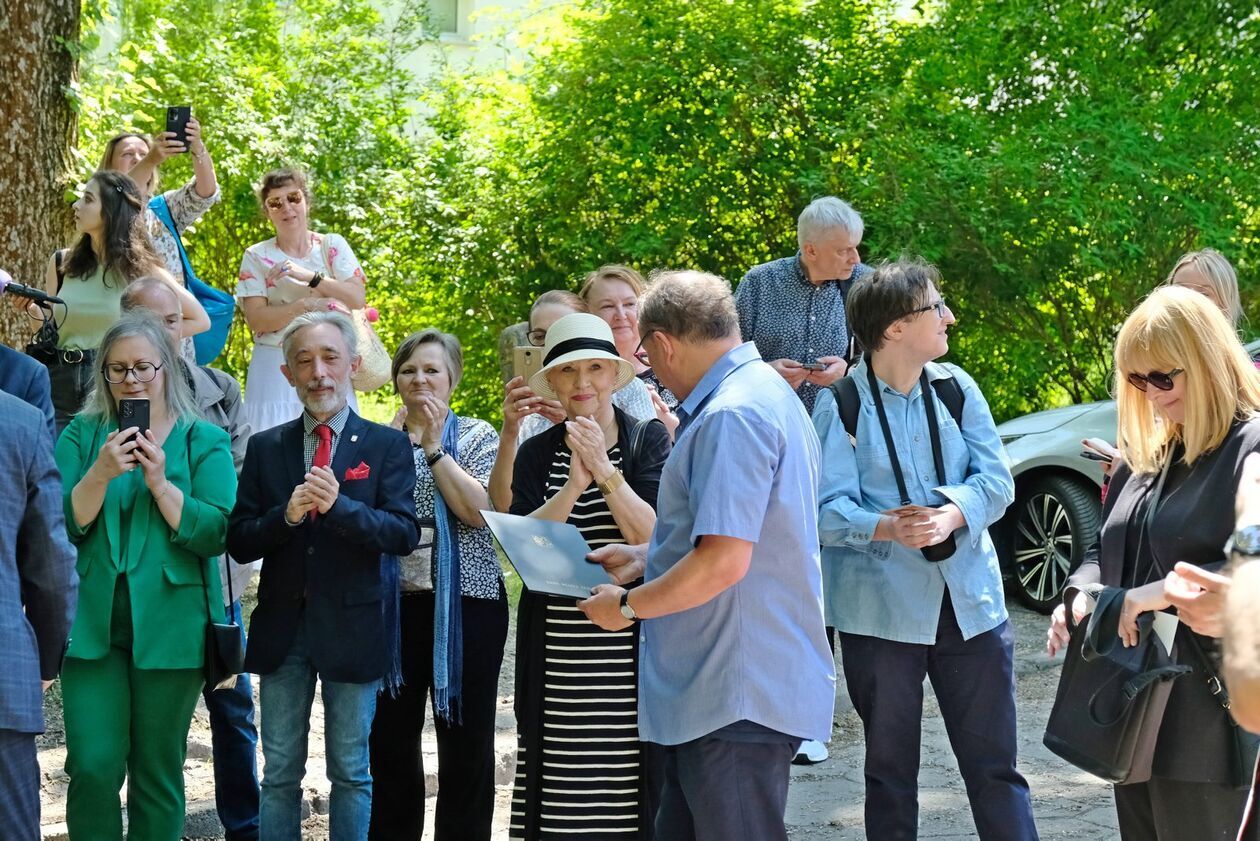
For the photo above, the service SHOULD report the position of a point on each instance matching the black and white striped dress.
(579, 762)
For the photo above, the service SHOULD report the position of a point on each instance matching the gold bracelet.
(609, 485)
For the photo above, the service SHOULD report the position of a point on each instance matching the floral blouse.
(186, 207)
(260, 258)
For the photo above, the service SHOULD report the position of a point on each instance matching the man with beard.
(326, 501)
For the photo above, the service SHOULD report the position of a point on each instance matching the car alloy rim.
(1043, 547)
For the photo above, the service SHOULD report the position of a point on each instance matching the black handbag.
(1110, 701)
(224, 658)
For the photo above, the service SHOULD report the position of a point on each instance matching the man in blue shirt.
(734, 665)
(901, 615)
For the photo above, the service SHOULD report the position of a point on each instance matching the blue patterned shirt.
(788, 317)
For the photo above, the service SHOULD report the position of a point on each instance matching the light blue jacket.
(881, 588)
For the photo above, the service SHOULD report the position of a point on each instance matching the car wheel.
(1056, 521)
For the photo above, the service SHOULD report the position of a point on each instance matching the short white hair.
(311, 319)
(827, 214)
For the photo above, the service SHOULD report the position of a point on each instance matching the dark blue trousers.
(716, 789)
(234, 741)
(19, 787)
(974, 683)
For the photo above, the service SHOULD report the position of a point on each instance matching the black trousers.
(1172, 810)
(975, 686)
(19, 787)
(721, 790)
(465, 802)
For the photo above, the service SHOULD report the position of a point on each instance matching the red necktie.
(323, 451)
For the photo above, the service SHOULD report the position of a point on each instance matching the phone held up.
(526, 361)
(133, 412)
(177, 117)
(1094, 455)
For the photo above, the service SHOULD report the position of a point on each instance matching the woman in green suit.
(146, 508)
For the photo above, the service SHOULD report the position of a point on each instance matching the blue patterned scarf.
(448, 636)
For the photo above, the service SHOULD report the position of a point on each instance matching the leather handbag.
(1110, 702)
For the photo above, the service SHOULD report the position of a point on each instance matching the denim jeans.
(235, 745)
(285, 698)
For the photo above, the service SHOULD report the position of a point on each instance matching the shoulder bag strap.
(163, 212)
(205, 584)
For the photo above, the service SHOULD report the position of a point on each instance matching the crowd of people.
(760, 473)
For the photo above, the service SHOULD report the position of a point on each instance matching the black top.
(1193, 521)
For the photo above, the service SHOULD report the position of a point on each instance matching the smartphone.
(526, 361)
(1094, 455)
(133, 413)
(813, 366)
(177, 117)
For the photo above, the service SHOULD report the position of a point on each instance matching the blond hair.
(1219, 274)
(611, 272)
(1176, 327)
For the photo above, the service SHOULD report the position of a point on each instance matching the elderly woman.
(576, 684)
(613, 292)
(113, 249)
(452, 593)
(525, 413)
(1188, 399)
(147, 509)
(294, 272)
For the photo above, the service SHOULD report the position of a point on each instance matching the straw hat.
(579, 336)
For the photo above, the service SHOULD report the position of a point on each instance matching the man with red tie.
(326, 501)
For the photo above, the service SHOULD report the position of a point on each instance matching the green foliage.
(1052, 158)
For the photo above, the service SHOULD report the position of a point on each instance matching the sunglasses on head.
(277, 202)
(1162, 381)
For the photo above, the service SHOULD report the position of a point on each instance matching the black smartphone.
(133, 413)
(177, 117)
(1094, 455)
(813, 366)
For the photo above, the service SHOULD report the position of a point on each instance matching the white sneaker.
(810, 753)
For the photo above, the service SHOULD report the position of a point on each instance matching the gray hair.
(177, 394)
(827, 214)
(431, 335)
(689, 305)
(131, 295)
(312, 319)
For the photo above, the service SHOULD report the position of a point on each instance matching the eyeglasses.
(537, 338)
(1162, 381)
(277, 202)
(639, 352)
(116, 373)
(939, 306)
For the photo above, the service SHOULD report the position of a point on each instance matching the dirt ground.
(825, 800)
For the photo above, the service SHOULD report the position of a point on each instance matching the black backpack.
(848, 404)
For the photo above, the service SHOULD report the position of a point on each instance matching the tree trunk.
(37, 132)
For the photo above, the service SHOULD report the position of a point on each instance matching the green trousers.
(124, 722)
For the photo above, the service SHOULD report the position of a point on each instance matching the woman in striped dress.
(581, 770)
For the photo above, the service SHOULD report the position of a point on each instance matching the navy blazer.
(26, 379)
(324, 576)
(38, 585)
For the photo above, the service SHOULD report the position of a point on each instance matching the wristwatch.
(611, 484)
(1245, 542)
(435, 458)
(316, 280)
(626, 610)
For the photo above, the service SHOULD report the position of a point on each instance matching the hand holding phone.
(1093, 455)
(177, 117)
(813, 366)
(133, 412)
(526, 361)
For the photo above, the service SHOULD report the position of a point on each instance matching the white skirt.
(269, 399)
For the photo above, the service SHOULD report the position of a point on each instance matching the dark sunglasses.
(1162, 381)
(276, 202)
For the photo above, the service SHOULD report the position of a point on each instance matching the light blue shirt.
(881, 588)
(744, 465)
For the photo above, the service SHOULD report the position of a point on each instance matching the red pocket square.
(360, 472)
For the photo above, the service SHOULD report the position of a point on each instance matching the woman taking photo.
(146, 508)
(580, 766)
(613, 292)
(294, 272)
(112, 250)
(525, 413)
(1188, 399)
(453, 457)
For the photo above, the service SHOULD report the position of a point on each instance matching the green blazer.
(174, 589)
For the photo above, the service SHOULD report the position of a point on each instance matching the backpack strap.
(848, 404)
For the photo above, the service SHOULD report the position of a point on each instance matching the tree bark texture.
(37, 132)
